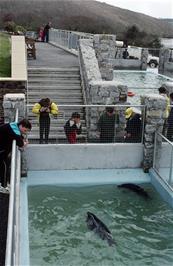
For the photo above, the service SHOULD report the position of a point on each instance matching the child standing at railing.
(73, 128)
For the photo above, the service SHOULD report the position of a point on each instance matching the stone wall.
(166, 62)
(97, 91)
(10, 87)
(119, 63)
(105, 48)
(12, 102)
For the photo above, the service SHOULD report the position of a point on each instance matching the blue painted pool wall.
(24, 229)
(161, 188)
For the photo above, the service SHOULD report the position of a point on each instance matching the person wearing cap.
(133, 126)
(106, 125)
(73, 128)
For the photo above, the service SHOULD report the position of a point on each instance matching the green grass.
(5, 55)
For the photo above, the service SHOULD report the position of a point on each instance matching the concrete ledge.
(65, 49)
(84, 156)
(18, 60)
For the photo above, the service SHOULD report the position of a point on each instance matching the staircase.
(62, 86)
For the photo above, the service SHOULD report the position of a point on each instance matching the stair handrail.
(13, 227)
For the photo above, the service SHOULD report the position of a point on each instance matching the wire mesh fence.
(89, 124)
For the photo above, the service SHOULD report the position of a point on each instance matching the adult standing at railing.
(106, 125)
(46, 31)
(8, 133)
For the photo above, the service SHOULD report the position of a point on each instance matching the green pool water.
(139, 82)
(142, 229)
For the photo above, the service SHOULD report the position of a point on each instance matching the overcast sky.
(154, 8)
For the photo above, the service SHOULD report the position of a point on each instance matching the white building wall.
(84, 156)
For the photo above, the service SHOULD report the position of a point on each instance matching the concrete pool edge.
(24, 229)
(87, 177)
(74, 177)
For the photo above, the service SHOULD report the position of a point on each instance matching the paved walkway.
(49, 56)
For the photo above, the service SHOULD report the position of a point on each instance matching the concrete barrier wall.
(126, 64)
(84, 156)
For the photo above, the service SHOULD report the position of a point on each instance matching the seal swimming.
(96, 225)
(137, 189)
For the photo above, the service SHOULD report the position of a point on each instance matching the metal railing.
(90, 115)
(12, 244)
(163, 159)
(68, 39)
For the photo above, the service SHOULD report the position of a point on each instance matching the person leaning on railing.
(8, 133)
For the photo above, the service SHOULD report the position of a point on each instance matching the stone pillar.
(144, 56)
(163, 58)
(11, 102)
(155, 106)
(105, 48)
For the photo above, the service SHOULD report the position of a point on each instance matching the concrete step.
(58, 100)
(54, 129)
(54, 82)
(53, 75)
(54, 124)
(54, 136)
(53, 70)
(53, 93)
(54, 87)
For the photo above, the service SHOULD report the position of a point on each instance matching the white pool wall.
(84, 156)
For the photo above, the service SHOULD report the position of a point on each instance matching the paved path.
(49, 56)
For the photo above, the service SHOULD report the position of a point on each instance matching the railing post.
(170, 171)
(154, 154)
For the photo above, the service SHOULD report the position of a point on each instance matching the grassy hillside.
(82, 15)
(5, 57)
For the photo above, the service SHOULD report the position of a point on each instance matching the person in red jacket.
(8, 133)
(73, 128)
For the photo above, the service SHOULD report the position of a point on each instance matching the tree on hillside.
(134, 36)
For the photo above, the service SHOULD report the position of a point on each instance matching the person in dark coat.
(106, 125)
(46, 31)
(133, 125)
(170, 120)
(8, 133)
(73, 128)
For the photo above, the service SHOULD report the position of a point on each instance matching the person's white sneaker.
(8, 188)
(4, 190)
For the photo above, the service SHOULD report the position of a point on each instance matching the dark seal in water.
(96, 225)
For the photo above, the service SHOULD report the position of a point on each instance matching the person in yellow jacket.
(43, 109)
